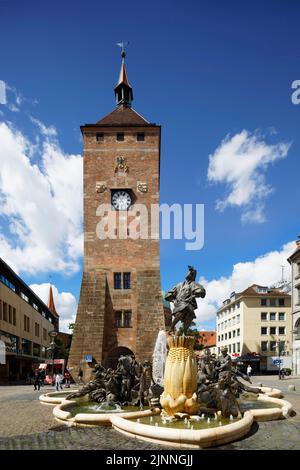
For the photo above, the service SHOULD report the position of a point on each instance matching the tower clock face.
(121, 200)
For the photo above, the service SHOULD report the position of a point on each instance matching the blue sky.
(204, 70)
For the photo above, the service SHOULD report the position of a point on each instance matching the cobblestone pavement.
(25, 423)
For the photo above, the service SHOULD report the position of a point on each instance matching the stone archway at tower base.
(113, 356)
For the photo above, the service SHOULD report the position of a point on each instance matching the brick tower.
(120, 309)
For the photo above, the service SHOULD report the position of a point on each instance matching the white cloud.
(46, 131)
(40, 204)
(65, 304)
(241, 162)
(264, 270)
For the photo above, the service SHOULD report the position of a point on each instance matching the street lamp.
(51, 348)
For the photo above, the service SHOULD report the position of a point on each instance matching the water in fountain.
(159, 358)
(106, 407)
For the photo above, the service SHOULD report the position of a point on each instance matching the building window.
(238, 304)
(99, 137)
(219, 338)
(238, 347)
(298, 299)
(263, 302)
(272, 302)
(127, 319)
(36, 350)
(4, 311)
(140, 136)
(238, 317)
(273, 346)
(35, 307)
(264, 346)
(229, 335)
(281, 316)
(264, 316)
(26, 346)
(44, 334)
(120, 136)
(264, 330)
(126, 281)
(7, 282)
(26, 323)
(273, 316)
(225, 336)
(281, 330)
(281, 302)
(238, 332)
(37, 329)
(14, 317)
(272, 330)
(10, 314)
(229, 349)
(233, 334)
(24, 297)
(222, 337)
(233, 348)
(123, 319)
(118, 319)
(117, 281)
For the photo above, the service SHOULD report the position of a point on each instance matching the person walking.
(58, 381)
(80, 376)
(37, 381)
(249, 371)
(67, 379)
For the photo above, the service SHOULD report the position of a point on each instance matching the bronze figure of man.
(184, 297)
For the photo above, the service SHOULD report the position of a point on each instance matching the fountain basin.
(55, 398)
(184, 438)
(65, 412)
(213, 435)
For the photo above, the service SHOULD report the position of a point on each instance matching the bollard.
(291, 388)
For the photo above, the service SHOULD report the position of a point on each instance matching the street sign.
(88, 358)
(277, 362)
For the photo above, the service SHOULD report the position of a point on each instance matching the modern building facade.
(120, 308)
(256, 326)
(294, 261)
(25, 323)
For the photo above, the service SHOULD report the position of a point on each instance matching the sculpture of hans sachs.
(183, 295)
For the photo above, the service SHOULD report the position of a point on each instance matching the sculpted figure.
(184, 297)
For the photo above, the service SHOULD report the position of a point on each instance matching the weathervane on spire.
(123, 44)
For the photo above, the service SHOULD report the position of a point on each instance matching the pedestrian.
(80, 376)
(67, 379)
(58, 381)
(249, 371)
(37, 381)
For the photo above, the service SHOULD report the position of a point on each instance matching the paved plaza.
(27, 424)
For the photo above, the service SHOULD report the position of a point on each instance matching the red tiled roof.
(122, 116)
(207, 338)
(251, 291)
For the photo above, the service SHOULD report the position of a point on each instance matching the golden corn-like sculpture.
(180, 377)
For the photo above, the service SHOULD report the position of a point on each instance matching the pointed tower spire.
(123, 90)
(51, 304)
